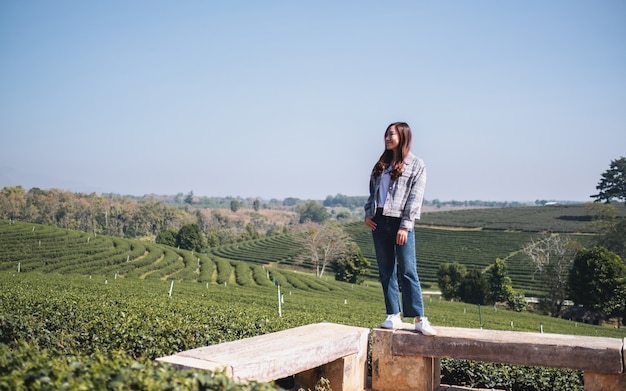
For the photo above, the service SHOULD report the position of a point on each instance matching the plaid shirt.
(405, 196)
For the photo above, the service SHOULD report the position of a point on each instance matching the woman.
(396, 193)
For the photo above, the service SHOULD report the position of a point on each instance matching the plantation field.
(78, 311)
(35, 247)
(474, 248)
(567, 218)
(73, 329)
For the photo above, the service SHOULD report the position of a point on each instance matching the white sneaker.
(392, 322)
(424, 327)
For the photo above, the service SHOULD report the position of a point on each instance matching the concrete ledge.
(595, 354)
(337, 352)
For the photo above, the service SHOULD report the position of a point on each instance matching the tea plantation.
(79, 311)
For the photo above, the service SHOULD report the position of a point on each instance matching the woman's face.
(392, 139)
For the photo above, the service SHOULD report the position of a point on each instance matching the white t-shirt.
(385, 180)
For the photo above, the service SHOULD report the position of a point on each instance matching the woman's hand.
(401, 236)
(369, 221)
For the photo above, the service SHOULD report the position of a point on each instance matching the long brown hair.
(386, 159)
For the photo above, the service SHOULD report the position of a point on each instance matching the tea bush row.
(278, 249)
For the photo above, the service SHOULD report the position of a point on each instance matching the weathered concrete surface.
(596, 354)
(604, 381)
(340, 350)
(401, 373)
(345, 373)
(406, 360)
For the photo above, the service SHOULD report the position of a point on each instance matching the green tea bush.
(224, 270)
(25, 366)
(261, 276)
(478, 374)
(207, 266)
(243, 274)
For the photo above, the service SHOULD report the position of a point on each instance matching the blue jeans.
(386, 253)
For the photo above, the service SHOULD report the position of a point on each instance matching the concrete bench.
(336, 352)
(406, 360)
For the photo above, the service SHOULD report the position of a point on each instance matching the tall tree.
(610, 227)
(597, 281)
(166, 237)
(313, 211)
(189, 198)
(189, 237)
(12, 202)
(500, 283)
(474, 288)
(551, 258)
(612, 185)
(351, 266)
(323, 244)
(450, 275)
(613, 237)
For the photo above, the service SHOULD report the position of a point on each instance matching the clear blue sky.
(508, 100)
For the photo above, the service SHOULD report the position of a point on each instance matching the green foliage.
(322, 384)
(312, 211)
(189, 237)
(127, 216)
(167, 237)
(449, 278)
(207, 266)
(610, 226)
(189, 198)
(68, 333)
(351, 266)
(345, 201)
(597, 280)
(516, 301)
(47, 371)
(474, 288)
(224, 270)
(250, 233)
(243, 275)
(499, 282)
(613, 237)
(261, 276)
(478, 374)
(612, 185)
(235, 205)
